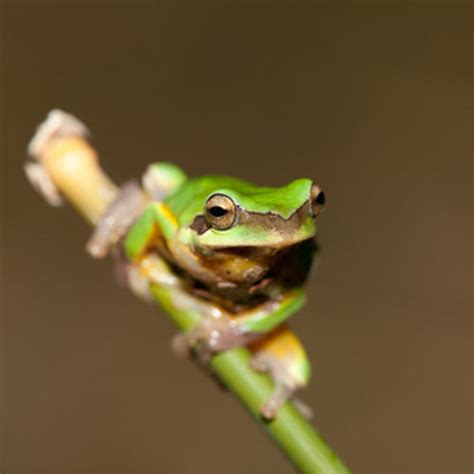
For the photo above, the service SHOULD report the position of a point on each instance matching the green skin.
(230, 263)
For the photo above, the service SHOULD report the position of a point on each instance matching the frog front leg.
(159, 180)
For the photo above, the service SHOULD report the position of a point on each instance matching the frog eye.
(318, 199)
(220, 211)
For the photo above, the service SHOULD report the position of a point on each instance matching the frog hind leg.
(219, 333)
(281, 355)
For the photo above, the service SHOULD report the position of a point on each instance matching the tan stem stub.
(71, 165)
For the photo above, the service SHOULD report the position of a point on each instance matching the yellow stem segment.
(74, 168)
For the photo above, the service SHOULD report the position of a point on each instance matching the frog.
(236, 254)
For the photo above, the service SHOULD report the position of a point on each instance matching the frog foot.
(118, 217)
(284, 387)
(162, 179)
(284, 390)
(210, 336)
(281, 356)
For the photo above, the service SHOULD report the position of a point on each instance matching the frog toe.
(280, 395)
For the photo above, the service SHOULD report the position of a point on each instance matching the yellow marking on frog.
(163, 209)
(166, 219)
(286, 345)
(283, 345)
(157, 271)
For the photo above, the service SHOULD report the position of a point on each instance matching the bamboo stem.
(72, 165)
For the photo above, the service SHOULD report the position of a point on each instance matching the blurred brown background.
(373, 101)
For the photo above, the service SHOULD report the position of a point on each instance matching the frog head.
(258, 217)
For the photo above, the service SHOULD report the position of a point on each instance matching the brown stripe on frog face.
(268, 220)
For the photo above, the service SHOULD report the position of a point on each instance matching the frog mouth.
(254, 252)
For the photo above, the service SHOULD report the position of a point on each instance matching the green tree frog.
(234, 253)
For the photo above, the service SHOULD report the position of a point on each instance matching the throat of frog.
(240, 266)
(225, 267)
(240, 275)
